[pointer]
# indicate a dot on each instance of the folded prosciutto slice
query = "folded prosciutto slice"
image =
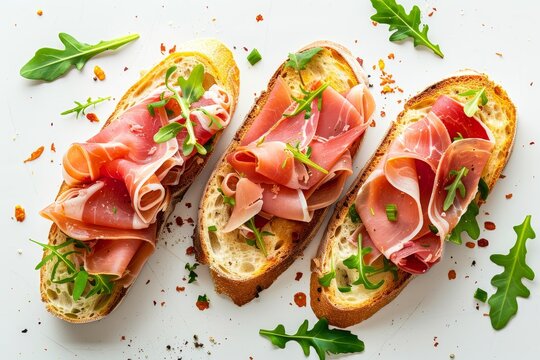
(291, 163)
(414, 177)
(120, 181)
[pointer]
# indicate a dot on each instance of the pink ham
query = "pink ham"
(248, 198)
(362, 100)
(338, 115)
(111, 257)
(286, 203)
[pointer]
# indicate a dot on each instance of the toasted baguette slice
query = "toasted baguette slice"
(220, 69)
(346, 309)
(241, 271)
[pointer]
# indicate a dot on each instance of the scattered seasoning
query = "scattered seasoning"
(36, 154)
(190, 220)
(39, 12)
(374, 23)
(100, 74)
(173, 49)
(483, 242)
(499, 54)
(391, 56)
(202, 302)
(92, 117)
(259, 18)
(489, 225)
(360, 61)
(162, 49)
(126, 68)
(531, 143)
(188, 205)
(298, 276)
(123, 338)
(190, 251)
(53, 148)
(383, 114)
(300, 299)
(24, 331)
(381, 64)
(435, 342)
(20, 214)
(179, 221)
(373, 123)
(470, 244)
(451, 274)
(180, 288)
(508, 196)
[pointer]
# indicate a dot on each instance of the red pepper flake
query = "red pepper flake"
(202, 302)
(162, 48)
(162, 303)
(300, 299)
(508, 196)
(374, 23)
(383, 114)
(190, 220)
(470, 244)
(531, 143)
(190, 251)
(502, 176)
(179, 221)
(180, 288)
(298, 276)
(122, 338)
(53, 148)
(489, 225)
(245, 49)
(360, 61)
(173, 49)
(372, 123)
(36, 154)
(20, 214)
(430, 14)
(483, 242)
(39, 12)
(92, 117)
(100, 74)
(451, 274)
(391, 56)
(188, 205)
(259, 18)
(126, 68)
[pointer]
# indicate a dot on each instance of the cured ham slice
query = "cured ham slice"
(285, 203)
(413, 176)
(363, 101)
(111, 257)
(248, 198)
(337, 114)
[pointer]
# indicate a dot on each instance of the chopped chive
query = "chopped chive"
(353, 214)
(391, 212)
(254, 57)
(480, 295)
(344, 289)
(433, 229)
(483, 189)
(212, 228)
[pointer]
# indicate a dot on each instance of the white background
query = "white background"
(470, 34)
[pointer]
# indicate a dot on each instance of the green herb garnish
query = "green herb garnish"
(326, 279)
(458, 137)
(81, 108)
(405, 25)
(457, 184)
(503, 304)
(357, 262)
(303, 158)
(192, 274)
(229, 200)
(192, 90)
(299, 61)
(483, 189)
(391, 212)
(480, 295)
(478, 97)
(433, 229)
(259, 236)
(212, 228)
(254, 57)
(353, 214)
(76, 274)
(304, 104)
(49, 64)
(466, 223)
(321, 338)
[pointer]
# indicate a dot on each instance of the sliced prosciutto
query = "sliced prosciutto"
(120, 181)
(413, 176)
(268, 154)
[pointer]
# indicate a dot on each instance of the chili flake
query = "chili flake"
(100, 74)
(36, 154)
(483, 242)
(470, 244)
(173, 49)
(202, 302)
(383, 114)
(53, 148)
(162, 48)
(489, 225)
(180, 288)
(259, 18)
(391, 56)
(39, 12)
(20, 214)
(190, 250)
(300, 299)
(451, 274)
(508, 196)
(298, 276)
(92, 117)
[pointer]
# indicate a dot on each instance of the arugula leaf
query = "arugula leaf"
(456, 185)
(357, 262)
(483, 189)
(192, 274)
(326, 279)
(353, 214)
(466, 223)
(299, 61)
(167, 132)
(321, 338)
(503, 304)
(79, 285)
(192, 88)
(259, 236)
(479, 97)
(303, 158)
(49, 64)
(405, 25)
(305, 103)
(80, 108)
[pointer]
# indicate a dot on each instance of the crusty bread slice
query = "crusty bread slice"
(221, 69)
(239, 270)
(346, 309)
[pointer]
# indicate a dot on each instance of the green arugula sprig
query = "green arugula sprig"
(456, 185)
(466, 223)
(192, 274)
(192, 90)
(353, 214)
(81, 108)
(357, 262)
(503, 304)
(302, 157)
(326, 279)
(405, 25)
(259, 236)
(99, 283)
(478, 97)
(49, 64)
(299, 61)
(323, 339)
(304, 104)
